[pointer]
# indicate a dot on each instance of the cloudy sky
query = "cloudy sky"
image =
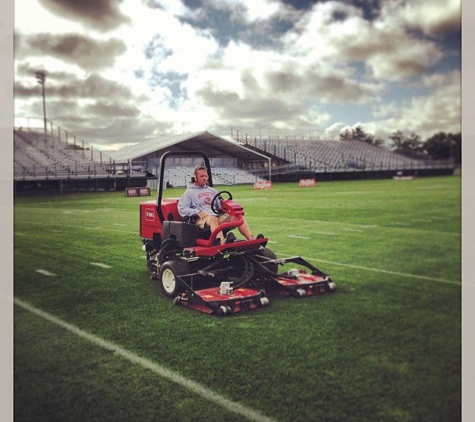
(122, 71)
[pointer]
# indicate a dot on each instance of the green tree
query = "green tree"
(358, 134)
(397, 140)
(411, 146)
(442, 146)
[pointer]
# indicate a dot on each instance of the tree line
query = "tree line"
(439, 146)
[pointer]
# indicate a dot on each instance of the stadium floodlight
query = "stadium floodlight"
(41, 78)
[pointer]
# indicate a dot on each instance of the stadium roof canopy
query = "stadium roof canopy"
(212, 145)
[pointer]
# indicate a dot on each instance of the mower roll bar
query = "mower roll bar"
(162, 174)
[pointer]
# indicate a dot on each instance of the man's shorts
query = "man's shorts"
(222, 218)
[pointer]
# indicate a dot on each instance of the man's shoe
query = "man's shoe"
(230, 238)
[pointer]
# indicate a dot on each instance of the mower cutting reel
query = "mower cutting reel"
(306, 280)
(212, 288)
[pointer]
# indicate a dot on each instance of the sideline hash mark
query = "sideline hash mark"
(46, 273)
(99, 264)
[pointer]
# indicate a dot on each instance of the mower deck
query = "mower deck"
(306, 280)
(212, 301)
(303, 285)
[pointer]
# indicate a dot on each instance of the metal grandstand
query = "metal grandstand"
(224, 154)
(58, 160)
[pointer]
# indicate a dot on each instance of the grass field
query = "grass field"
(96, 341)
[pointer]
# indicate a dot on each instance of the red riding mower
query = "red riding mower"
(217, 278)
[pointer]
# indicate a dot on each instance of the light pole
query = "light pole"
(41, 78)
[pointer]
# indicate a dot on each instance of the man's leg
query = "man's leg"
(212, 222)
(245, 230)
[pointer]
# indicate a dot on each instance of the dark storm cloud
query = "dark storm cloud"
(26, 69)
(88, 53)
(112, 109)
(109, 131)
(232, 106)
(66, 87)
(95, 86)
(320, 86)
(100, 15)
(55, 80)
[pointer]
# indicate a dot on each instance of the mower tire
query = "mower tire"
(331, 286)
(224, 310)
(273, 267)
(169, 278)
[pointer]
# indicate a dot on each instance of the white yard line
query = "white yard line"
(286, 220)
(102, 228)
(326, 233)
(175, 377)
(378, 270)
(100, 264)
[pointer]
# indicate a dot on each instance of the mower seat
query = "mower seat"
(186, 234)
(203, 233)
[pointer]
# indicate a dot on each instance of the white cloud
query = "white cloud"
(390, 52)
(190, 81)
(436, 112)
(30, 17)
(442, 106)
(432, 17)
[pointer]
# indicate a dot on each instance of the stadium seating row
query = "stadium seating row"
(180, 176)
(335, 155)
(42, 155)
(38, 155)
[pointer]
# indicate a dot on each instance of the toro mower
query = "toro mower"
(197, 271)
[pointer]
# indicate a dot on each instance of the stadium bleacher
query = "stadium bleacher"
(180, 176)
(38, 155)
(337, 156)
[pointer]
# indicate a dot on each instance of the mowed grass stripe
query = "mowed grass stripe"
(175, 377)
(388, 341)
(397, 226)
(72, 226)
(379, 270)
(255, 220)
(341, 264)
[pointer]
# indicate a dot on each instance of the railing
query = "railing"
(34, 124)
(61, 154)
(337, 156)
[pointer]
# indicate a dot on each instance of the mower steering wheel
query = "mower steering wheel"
(215, 206)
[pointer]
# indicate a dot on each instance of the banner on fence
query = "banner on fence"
(137, 191)
(266, 184)
(307, 183)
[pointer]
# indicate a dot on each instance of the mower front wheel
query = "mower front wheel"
(224, 310)
(331, 286)
(170, 273)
